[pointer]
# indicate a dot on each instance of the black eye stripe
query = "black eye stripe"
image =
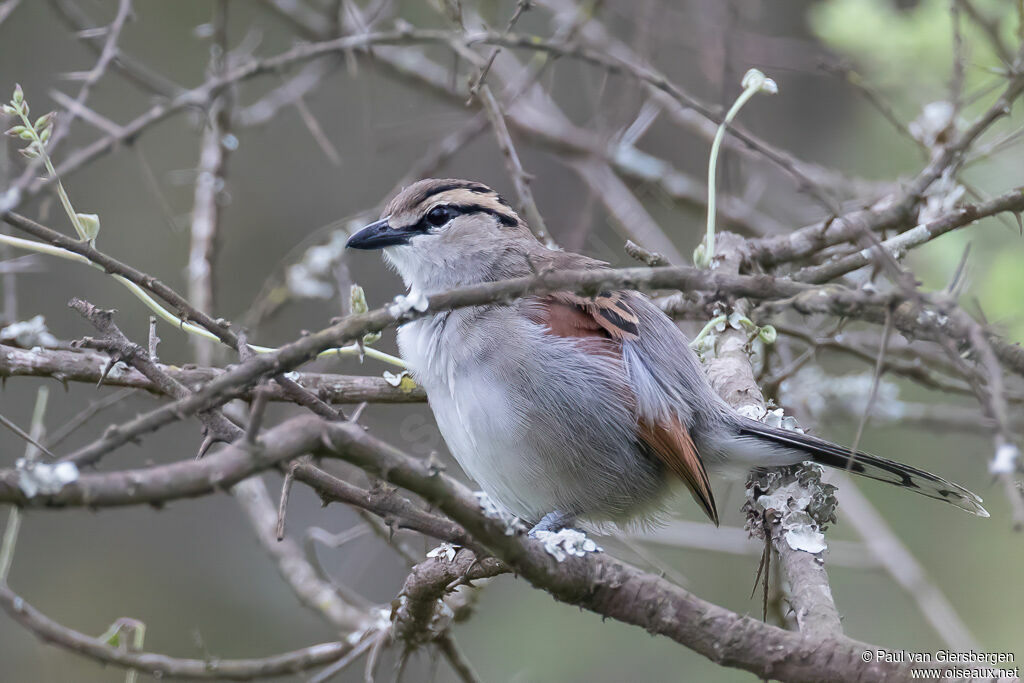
(454, 210)
(503, 218)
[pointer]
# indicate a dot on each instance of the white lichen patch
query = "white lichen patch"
(491, 509)
(445, 550)
(313, 276)
(378, 620)
(1005, 460)
(941, 198)
(561, 544)
(28, 333)
(415, 300)
(805, 537)
(119, 371)
(751, 411)
(36, 478)
(777, 418)
(935, 123)
(785, 499)
(798, 528)
(395, 380)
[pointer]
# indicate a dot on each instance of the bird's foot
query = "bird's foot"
(553, 521)
(559, 539)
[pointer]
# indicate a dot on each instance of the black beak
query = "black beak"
(379, 235)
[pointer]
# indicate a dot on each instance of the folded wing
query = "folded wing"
(603, 324)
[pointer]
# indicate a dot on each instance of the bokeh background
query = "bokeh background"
(193, 571)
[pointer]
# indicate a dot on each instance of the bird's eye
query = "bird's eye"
(439, 215)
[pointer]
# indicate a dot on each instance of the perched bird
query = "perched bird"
(562, 406)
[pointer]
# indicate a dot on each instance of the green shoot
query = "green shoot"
(753, 82)
(37, 134)
(10, 537)
(136, 632)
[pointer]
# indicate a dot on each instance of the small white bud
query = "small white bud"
(756, 80)
(1005, 460)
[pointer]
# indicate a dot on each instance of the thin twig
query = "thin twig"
(209, 187)
(457, 659)
(520, 179)
(160, 665)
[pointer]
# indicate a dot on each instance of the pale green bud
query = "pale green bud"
(700, 256)
(44, 121)
(358, 299)
(768, 334)
(90, 225)
(18, 96)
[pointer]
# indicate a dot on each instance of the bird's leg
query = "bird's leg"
(553, 521)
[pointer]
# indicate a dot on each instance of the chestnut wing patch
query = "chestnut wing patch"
(609, 310)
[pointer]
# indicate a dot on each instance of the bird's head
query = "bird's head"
(440, 233)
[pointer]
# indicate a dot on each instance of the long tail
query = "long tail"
(871, 466)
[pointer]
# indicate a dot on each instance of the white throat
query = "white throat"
(431, 273)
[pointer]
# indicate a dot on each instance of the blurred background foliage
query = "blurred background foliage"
(193, 571)
(905, 47)
(903, 50)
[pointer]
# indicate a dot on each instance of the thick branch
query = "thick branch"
(183, 479)
(731, 374)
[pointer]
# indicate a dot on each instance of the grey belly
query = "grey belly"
(536, 422)
(533, 457)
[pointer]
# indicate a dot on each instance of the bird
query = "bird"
(566, 408)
